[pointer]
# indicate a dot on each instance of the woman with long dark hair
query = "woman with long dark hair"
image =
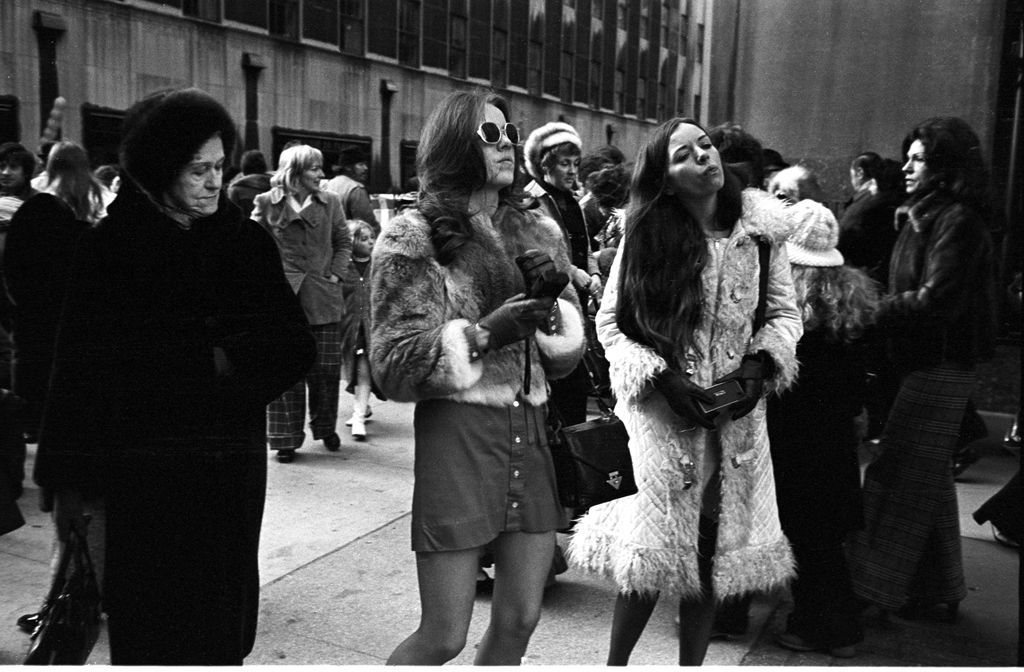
(453, 331)
(939, 320)
(676, 318)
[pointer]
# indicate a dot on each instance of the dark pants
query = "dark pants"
(824, 606)
(182, 575)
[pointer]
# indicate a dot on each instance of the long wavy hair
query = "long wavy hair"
(665, 250)
(451, 166)
(71, 180)
(953, 155)
(841, 299)
(291, 164)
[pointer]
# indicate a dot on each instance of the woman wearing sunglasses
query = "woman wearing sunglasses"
(454, 331)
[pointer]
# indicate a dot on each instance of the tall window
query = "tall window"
(499, 58)
(435, 33)
(535, 72)
(246, 11)
(320, 20)
(681, 101)
(568, 53)
(665, 23)
(352, 22)
(700, 42)
(645, 19)
(457, 47)
(284, 18)
(622, 14)
(684, 34)
(620, 90)
(409, 33)
(208, 10)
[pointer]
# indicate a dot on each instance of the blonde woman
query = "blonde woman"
(313, 238)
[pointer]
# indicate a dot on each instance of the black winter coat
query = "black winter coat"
(814, 441)
(147, 304)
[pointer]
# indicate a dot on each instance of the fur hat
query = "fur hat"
(163, 131)
(543, 139)
(813, 242)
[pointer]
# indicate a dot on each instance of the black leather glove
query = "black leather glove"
(540, 274)
(751, 375)
(515, 319)
(682, 396)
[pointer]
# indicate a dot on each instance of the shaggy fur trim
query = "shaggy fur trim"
(562, 351)
(634, 568)
(784, 356)
(770, 218)
(631, 374)
(753, 569)
(455, 356)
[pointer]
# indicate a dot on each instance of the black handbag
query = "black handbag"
(591, 459)
(69, 623)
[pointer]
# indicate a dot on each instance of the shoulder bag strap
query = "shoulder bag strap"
(764, 260)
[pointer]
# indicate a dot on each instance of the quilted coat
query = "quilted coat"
(420, 309)
(648, 542)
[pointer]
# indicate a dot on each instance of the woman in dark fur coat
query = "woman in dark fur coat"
(939, 319)
(178, 328)
(452, 331)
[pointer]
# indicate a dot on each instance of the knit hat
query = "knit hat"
(813, 239)
(163, 131)
(543, 139)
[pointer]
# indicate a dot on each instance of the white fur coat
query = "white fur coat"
(648, 542)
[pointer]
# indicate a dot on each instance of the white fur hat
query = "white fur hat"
(813, 241)
(543, 139)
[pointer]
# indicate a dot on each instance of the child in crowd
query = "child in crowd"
(356, 327)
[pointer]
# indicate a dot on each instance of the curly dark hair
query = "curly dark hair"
(953, 156)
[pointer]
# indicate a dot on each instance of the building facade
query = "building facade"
(364, 72)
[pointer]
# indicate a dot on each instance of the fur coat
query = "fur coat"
(648, 542)
(420, 310)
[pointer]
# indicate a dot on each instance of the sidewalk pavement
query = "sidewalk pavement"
(339, 584)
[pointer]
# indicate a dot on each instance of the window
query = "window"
(641, 97)
(645, 19)
(662, 111)
(700, 42)
(320, 20)
(381, 25)
(435, 33)
(499, 60)
(664, 22)
(457, 47)
(519, 39)
(681, 102)
(684, 34)
(207, 10)
(409, 33)
(352, 27)
(620, 90)
(10, 128)
(480, 39)
(596, 43)
(622, 15)
(696, 107)
(534, 70)
(284, 18)
(246, 11)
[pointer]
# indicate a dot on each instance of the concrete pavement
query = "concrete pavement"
(339, 585)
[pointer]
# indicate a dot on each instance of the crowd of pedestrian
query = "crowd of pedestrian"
(163, 328)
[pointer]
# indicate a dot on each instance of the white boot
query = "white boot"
(358, 427)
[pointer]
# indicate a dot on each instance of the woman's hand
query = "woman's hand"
(682, 396)
(580, 278)
(515, 320)
(751, 375)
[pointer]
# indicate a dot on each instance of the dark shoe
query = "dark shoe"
(332, 442)
(1003, 539)
(964, 458)
(794, 642)
(29, 622)
(285, 456)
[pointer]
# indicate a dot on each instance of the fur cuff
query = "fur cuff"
(783, 355)
(631, 371)
(562, 350)
(454, 365)
(634, 568)
(753, 569)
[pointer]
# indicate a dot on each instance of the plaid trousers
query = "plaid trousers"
(286, 414)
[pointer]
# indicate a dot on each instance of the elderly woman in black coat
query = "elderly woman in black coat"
(178, 329)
